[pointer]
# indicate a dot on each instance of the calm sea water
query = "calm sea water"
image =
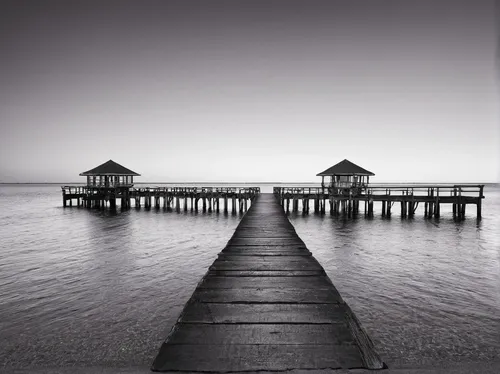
(96, 288)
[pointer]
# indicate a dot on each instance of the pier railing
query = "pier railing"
(409, 195)
(402, 190)
(170, 196)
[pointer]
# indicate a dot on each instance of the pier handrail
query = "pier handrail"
(403, 189)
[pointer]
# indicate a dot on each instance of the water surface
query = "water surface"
(97, 288)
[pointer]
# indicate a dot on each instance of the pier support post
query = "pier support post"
(479, 202)
(370, 208)
(437, 209)
(412, 208)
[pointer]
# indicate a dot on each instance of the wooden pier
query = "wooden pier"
(266, 304)
(346, 201)
(172, 198)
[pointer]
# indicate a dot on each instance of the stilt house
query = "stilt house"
(346, 175)
(110, 175)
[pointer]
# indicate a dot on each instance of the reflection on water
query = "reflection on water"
(81, 287)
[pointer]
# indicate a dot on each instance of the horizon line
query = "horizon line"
(262, 182)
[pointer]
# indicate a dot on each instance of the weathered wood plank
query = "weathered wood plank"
(271, 264)
(263, 313)
(218, 282)
(262, 266)
(251, 258)
(279, 334)
(267, 273)
(260, 252)
(265, 241)
(223, 358)
(285, 249)
(267, 295)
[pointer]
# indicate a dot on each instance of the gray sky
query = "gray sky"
(249, 90)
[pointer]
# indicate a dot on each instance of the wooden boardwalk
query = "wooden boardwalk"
(266, 304)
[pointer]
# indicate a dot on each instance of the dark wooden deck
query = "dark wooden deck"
(266, 304)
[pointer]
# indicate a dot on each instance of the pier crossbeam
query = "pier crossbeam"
(266, 304)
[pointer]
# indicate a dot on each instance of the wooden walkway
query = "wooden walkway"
(266, 304)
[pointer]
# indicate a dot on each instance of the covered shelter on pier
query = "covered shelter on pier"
(346, 175)
(110, 175)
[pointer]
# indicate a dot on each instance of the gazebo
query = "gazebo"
(346, 175)
(110, 175)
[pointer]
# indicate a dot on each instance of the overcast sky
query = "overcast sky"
(249, 90)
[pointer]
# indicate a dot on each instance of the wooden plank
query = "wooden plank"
(267, 273)
(283, 248)
(219, 282)
(260, 252)
(265, 241)
(196, 312)
(250, 258)
(267, 295)
(279, 334)
(223, 358)
(270, 264)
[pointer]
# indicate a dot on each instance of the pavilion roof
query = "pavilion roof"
(109, 168)
(345, 167)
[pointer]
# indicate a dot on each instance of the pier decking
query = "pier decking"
(266, 304)
(175, 198)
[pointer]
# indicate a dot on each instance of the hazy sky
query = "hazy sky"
(249, 90)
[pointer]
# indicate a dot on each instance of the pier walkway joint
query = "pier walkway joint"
(266, 304)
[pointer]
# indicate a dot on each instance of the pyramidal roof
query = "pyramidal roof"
(109, 168)
(345, 167)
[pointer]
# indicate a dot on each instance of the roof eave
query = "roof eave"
(85, 174)
(323, 174)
